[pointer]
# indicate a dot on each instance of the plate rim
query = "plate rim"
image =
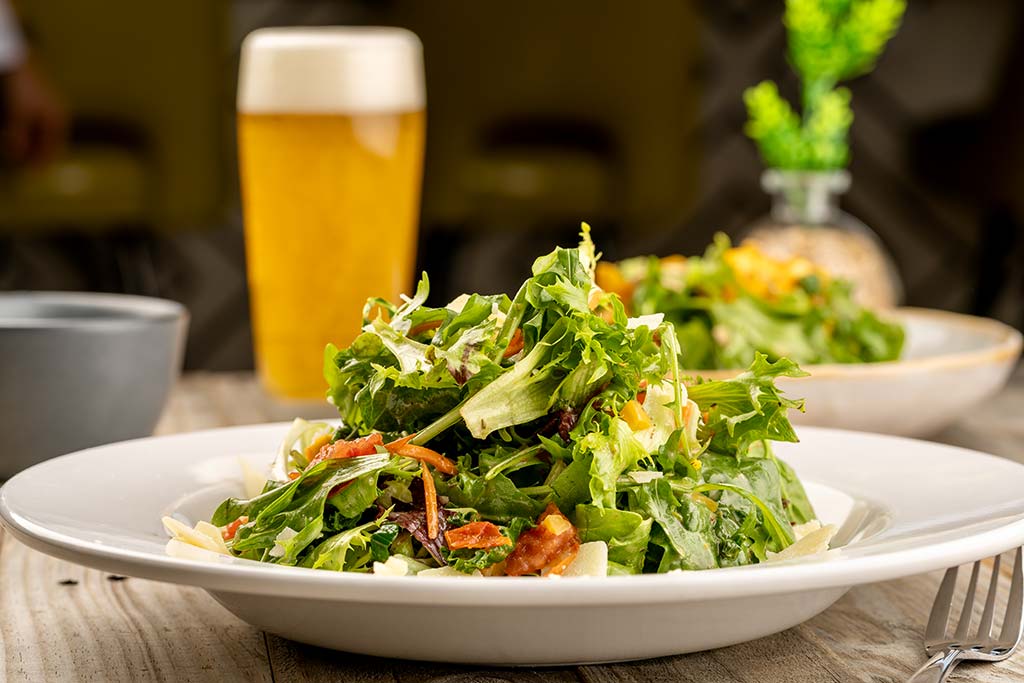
(246, 577)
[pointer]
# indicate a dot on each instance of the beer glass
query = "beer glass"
(330, 139)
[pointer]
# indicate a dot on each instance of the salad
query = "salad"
(547, 434)
(736, 301)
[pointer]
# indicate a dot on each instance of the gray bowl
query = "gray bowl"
(79, 370)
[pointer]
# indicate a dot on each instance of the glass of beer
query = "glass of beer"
(330, 139)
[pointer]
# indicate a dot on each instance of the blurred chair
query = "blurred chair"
(562, 111)
(145, 85)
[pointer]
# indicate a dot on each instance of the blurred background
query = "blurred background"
(120, 174)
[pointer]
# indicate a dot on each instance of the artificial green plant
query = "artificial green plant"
(829, 41)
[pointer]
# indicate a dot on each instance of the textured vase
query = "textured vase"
(806, 221)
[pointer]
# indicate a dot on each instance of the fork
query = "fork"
(949, 650)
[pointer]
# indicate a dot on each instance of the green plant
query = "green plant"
(829, 41)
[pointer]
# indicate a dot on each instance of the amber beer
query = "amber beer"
(330, 137)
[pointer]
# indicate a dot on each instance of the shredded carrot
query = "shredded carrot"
(366, 445)
(425, 455)
(515, 345)
(228, 532)
(294, 475)
(476, 535)
(398, 443)
(424, 327)
(430, 494)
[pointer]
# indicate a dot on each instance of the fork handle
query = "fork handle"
(937, 668)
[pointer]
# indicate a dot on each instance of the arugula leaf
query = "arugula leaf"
(496, 499)
(356, 496)
(293, 546)
(687, 549)
(572, 486)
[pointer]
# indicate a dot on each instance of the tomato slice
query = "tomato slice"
(229, 531)
(366, 445)
(476, 535)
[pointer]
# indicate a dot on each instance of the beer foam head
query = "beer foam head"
(327, 70)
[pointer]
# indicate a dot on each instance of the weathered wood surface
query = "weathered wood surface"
(59, 621)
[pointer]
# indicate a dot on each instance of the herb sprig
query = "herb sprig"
(829, 41)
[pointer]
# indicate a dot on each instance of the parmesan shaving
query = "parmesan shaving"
(286, 534)
(199, 537)
(591, 560)
(813, 542)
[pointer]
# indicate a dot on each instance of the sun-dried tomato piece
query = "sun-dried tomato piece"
(547, 549)
(428, 326)
(515, 345)
(476, 535)
(229, 531)
(366, 445)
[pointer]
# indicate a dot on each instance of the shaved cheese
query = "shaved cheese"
(458, 303)
(399, 565)
(591, 560)
(813, 543)
(214, 533)
(186, 534)
(187, 551)
(389, 569)
(286, 534)
(801, 530)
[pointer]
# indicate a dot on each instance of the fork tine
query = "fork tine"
(985, 627)
(1011, 632)
(967, 611)
(936, 629)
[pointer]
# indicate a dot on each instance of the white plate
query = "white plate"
(951, 362)
(903, 506)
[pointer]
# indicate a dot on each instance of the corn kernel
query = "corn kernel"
(556, 524)
(635, 416)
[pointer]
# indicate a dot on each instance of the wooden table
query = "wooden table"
(59, 621)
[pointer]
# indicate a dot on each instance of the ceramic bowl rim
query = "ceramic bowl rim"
(112, 312)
